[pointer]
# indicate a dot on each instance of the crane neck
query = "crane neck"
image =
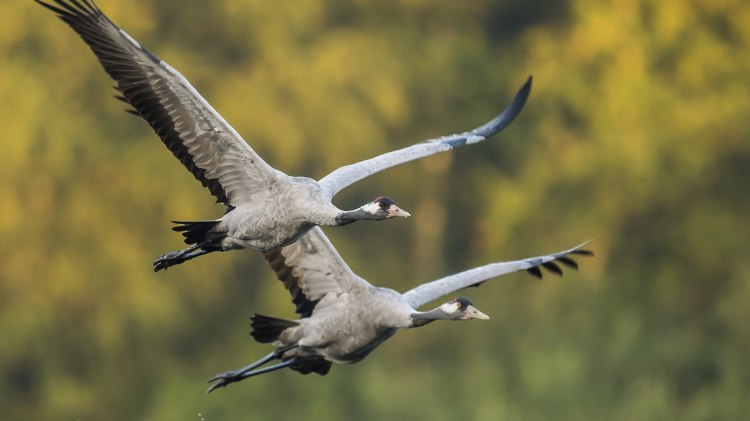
(359, 214)
(422, 318)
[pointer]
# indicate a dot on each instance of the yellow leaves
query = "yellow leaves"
(330, 90)
(13, 26)
(740, 19)
(278, 19)
(437, 164)
(364, 65)
(595, 36)
(134, 18)
(637, 111)
(30, 104)
(671, 20)
(706, 61)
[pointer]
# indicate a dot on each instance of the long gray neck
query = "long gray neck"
(347, 217)
(331, 216)
(422, 318)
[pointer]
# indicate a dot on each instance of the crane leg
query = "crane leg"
(224, 379)
(179, 256)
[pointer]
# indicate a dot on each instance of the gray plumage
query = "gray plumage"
(343, 317)
(265, 207)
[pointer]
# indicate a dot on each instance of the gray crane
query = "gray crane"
(343, 317)
(266, 208)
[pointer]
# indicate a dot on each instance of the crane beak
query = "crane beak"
(395, 211)
(473, 313)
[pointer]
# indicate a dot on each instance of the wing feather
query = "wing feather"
(350, 174)
(427, 292)
(190, 128)
(311, 268)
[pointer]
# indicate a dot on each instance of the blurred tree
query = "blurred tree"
(634, 136)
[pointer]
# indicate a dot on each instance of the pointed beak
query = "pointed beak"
(395, 211)
(473, 313)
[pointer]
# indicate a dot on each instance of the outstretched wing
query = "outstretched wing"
(310, 268)
(350, 174)
(195, 133)
(425, 293)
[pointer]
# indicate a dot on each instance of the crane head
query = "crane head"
(462, 309)
(383, 207)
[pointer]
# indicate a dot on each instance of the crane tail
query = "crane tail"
(268, 329)
(197, 232)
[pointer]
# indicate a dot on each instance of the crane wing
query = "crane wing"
(187, 124)
(427, 292)
(310, 268)
(350, 174)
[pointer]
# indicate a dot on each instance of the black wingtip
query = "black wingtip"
(567, 261)
(70, 8)
(535, 271)
(127, 110)
(552, 267)
(583, 252)
(54, 9)
(564, 258)
(523, 94)
(509, 113)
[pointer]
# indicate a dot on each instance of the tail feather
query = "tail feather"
(268, 329)
(197, 232)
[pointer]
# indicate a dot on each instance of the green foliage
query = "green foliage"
(635, 135)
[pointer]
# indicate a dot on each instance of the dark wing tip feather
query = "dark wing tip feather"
(562, 258)
(567, 261)
(54, 9)
(552, 267)
(583, 252)
(71, 8)
(535, 271)
(509, 113)
(129, 110)
(85, 6)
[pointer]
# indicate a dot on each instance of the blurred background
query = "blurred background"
(635, 135)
